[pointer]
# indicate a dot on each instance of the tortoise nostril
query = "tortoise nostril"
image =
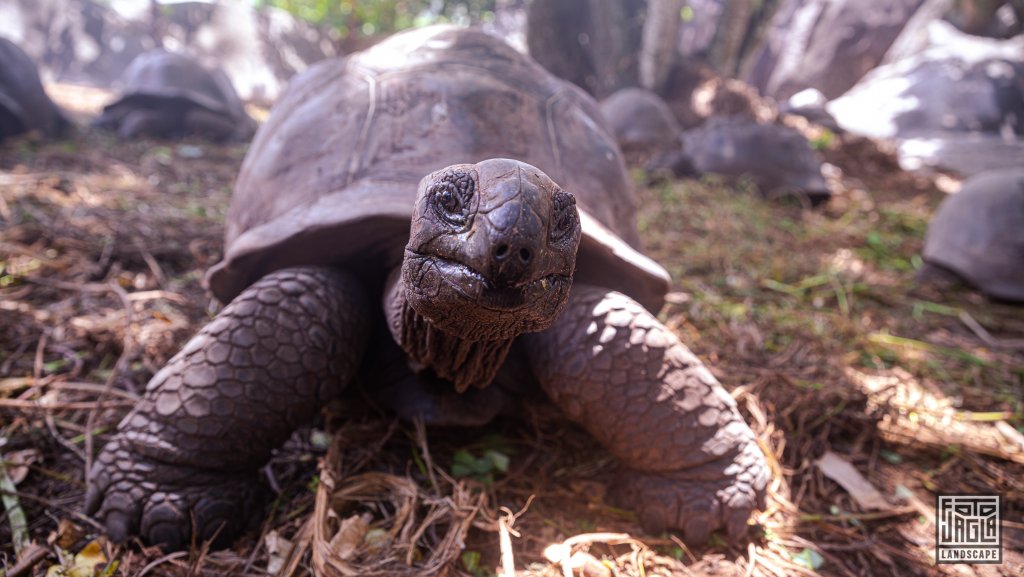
(501, 251)
(525, 255)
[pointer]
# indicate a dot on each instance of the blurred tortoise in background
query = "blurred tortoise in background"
(977, 236)
(170, 95)
(641, 121)
(24, 104)
(778, 159)
(513, 273)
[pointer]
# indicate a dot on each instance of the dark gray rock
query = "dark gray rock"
(957, 103)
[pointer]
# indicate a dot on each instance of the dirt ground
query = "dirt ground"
(810, 318)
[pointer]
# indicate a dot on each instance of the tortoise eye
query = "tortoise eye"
(563, 216)
(451, 195)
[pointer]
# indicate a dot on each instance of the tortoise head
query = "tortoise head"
(491, 251)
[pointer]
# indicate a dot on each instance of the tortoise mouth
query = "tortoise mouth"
(473, 286)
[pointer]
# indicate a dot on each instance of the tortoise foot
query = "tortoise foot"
(700, 500)
(172, 506)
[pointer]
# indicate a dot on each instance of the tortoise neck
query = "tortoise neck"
(462, 361)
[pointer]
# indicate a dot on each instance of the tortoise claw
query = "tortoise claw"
(167, 505)
(699, 501)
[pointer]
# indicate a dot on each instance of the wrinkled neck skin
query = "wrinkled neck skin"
(461, 359)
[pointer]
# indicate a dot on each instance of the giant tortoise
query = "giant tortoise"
(24, 104)
(641, 121)
(977, 236)
(170, 95)
(777, 158)
(442, 196)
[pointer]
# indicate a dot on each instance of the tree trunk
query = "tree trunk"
(591, 43)
(660, 35)
(727, 45)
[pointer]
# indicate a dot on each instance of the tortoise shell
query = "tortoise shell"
(24, 104)
(331, 177)
(640, 118)
(978, 234)
(159, 78)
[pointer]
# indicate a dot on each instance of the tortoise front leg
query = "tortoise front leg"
(189, 451)
(206, 123)
(144, 122)
(693, 463)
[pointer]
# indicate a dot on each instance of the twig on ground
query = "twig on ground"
(154, 266)
(686, 550)
(37, 405)
(986, 337)
(751, 559)
(421, 442)
(27, 560)
(51, 424)
(126, 352)
(508, 564)
(160, 561)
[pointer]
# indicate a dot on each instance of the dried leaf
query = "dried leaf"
(350, 536)
(841, 471)
(67, 534)
(84, 564)
(278, 549)
(376, 541)
(87, 559)
(586, 565)
(18, 462)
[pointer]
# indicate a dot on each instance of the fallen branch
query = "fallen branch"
(986, 337)
(31, 557)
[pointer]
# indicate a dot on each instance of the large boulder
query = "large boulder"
(825, 44)
(956, 104)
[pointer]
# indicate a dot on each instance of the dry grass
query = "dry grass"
(811, 319)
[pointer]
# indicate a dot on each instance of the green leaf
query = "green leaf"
(890, 456)
(463, 464)
(809, 558)
(498, 460)
(471, 560)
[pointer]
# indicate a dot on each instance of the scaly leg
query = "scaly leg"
(189, 450)
(694, 464)
(145, 123)
(208, 124)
